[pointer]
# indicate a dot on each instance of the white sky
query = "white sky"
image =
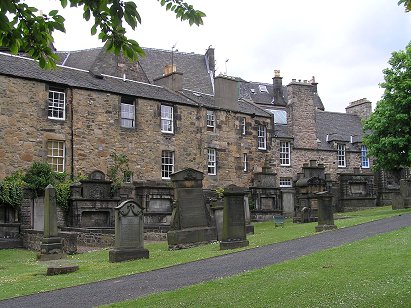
(344, 44)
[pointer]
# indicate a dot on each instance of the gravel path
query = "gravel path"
(137, 285)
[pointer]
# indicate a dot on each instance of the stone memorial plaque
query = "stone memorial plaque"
(192, 213)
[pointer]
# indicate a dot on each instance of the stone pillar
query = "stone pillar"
(325, 212)
(51, 243)
(129, 233)
(405, 189)
(234, 231)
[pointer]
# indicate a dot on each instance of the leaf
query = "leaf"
(93, 29)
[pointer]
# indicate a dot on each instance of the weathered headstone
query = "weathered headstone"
(51, 245)
(325, 212)
(129, 233)
(234, 230)
(191, 222)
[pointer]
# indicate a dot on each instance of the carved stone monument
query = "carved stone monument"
(191, 221)
(129, 233)
(234, 230)
(325, 212)
(51, 245)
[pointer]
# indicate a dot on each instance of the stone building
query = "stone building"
(169, 112)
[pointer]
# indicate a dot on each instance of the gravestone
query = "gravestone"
(191, 222)
(234, 230)
(325, 212)
(51, 245)
(129, 233)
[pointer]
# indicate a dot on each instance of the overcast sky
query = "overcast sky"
(344, 44)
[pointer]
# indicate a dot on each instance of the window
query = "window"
(210, 121)
(245, 162)
(212, 162)
(341, 155)
(263, 88)
(167, 164)
(280, 116)
(167, 119)
(55, 155)
(128, 177)
(262, 138)
(127, 113)
(365, 161)
(57, 104)
(285, 153)
(286, 182)
(242, 125)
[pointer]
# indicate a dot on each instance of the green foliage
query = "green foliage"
(63, 191)
(38, 176)
(118, 170)
(220, 192)
(389, 127)
(406, 3)
(11, 190)
(22, 30)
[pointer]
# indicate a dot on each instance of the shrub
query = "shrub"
(39, 176)
(11, 190)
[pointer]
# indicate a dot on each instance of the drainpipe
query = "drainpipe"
(72, 134)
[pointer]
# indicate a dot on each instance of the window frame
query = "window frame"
(243, 125)
(127, 102)
(245, 162)
(365, 160)
(286, 182)
(167, 119)
(211, 161)
(56, 162)
(167, 168)
(54, 104)
(341, 155)
(285, 153)
(128, 177)
(210, 122)
(262, 137)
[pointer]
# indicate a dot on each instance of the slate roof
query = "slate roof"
(243, 106)
(338, 127)
(27, 68)
(193, 66)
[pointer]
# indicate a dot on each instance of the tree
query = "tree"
(389, 127)
(22, 29)
(406, 3)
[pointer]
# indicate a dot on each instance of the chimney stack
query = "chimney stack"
(226, 92)
(278, 96)
(171, 79)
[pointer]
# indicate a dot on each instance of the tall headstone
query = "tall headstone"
(129, 233)
(191, 221)
(234, 230)
(51, 243)
(325, 212)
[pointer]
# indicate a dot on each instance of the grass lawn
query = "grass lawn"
(22, 274)
(375, 272)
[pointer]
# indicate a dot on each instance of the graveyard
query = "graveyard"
(17, 280)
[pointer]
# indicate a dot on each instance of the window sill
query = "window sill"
(56, 119)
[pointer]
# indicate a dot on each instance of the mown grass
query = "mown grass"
(22, 274)
(375, 272)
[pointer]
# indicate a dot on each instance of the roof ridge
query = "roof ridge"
(78, 50)
(175, 51)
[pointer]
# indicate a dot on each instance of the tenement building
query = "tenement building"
(168, 112)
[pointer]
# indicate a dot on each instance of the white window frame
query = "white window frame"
(245, 162)
(128, 177)
(211, 161)
(167, 164)
(56, 152)
(128, 114)
(167, 122)
(210, 120)
(242, 125)
(286, 182)
(262, 137)
(365, 161)
(341, 159)
(57, 104)
(285, 153)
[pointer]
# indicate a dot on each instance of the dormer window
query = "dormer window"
(252, 91)
(263, 88)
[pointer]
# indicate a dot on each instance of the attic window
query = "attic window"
(252, 91)
(263, 88)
